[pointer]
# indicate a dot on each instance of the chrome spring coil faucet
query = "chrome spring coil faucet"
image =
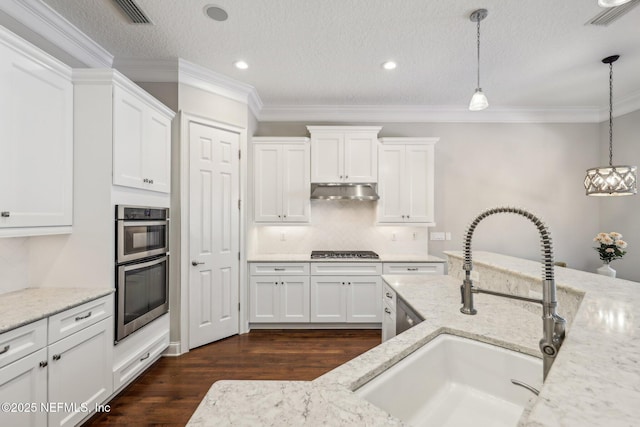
(553, 326)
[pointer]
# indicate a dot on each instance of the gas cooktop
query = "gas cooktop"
(344, 254)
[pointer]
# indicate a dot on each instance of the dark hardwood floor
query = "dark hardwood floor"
(168, 392)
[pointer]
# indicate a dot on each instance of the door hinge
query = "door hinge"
(238, 256)
(238, 306)
(239, 154)
(238, 203)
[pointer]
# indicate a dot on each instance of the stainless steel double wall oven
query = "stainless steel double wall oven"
(142, 267)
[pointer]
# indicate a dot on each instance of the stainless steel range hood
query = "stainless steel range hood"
(344, 191)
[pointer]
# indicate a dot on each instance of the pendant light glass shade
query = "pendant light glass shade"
(479, 99)
(612, 3)
(611, 180)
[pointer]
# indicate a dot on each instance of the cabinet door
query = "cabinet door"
(295, 183)
(391, 186)
(328, 299)
(364, 304)
(327, 157)
(25, 382)
(80, 371)
(264, 303)
(128, 134)
(419, 183)
(267, 183)
(360, 157)
(156, 160)
(294, 299)
(36, 143)
(388, 323)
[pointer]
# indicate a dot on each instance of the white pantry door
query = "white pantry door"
(213, 234)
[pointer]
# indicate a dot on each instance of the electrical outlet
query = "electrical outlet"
(415, 235)
(437, 235)
(393, 237)
(447, 235)
(283, 236)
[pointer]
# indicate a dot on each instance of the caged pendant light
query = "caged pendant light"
(611, 180)
(479, 99)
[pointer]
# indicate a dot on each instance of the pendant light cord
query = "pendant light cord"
(611, 114)
(478, 85)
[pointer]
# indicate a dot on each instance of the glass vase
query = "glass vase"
(606, 270)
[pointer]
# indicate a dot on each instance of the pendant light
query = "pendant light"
(478, 100)
(612, 3)
(611, 180)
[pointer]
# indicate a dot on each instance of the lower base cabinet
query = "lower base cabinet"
(59, 381)
(279, 299)
(350, 299)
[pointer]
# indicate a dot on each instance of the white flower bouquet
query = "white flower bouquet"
(611, 246)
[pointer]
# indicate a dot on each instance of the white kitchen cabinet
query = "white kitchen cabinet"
(36, 140)
(281, 179)
(279, 292)
(71, 367)
(388, 313)
(406, 180)
(275, 299)
(80, 371)
(141, 142)
(346, 292)
(413, 268)
(344, 154)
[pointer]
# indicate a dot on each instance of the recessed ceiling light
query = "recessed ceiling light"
(389, 65)
(215, 12)
(241, 65)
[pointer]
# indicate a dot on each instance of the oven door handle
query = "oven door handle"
(142, 223)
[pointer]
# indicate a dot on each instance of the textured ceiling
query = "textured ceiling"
(535, 53)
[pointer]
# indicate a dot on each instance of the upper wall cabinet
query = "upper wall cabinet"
(281, 179)
(406, 183)
(140, 126)
(344, 154)
(141, 143)
(36, 140)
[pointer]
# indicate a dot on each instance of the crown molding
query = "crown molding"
(43, 20)
(421, 113)
(180, 71)
(625, 105)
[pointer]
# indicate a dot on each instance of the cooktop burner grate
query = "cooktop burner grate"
(344, 254)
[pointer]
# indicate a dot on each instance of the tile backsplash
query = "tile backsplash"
(340, 225)
(14, 264)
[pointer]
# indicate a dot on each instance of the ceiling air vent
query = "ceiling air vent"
(608, 15)
(133, 11)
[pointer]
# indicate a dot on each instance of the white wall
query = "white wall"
(622, 214)
(539, 167)
(14, 264)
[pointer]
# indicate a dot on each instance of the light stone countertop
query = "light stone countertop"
(594, 381)
(307, 258)
(29, 305)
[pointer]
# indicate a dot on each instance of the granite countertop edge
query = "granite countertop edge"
(400, 258)
(29, 305)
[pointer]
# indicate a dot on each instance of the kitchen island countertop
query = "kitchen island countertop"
(593, 382)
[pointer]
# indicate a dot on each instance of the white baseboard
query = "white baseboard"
(173, 349)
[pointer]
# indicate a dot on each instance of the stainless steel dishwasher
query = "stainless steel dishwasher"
(406, 317)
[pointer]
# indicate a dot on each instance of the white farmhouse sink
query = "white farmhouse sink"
(453, 381)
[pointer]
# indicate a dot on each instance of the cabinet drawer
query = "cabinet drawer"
(413, 268)
(22, 341)
(389, 297)
(346, 268)
(280, 269)
(77, 318)
(137, 362)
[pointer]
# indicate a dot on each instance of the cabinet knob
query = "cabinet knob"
(150, 181)
(389, 295)
(284, 216)
(5, 349)
(43, 364)
(56, 357)
(340, 176)
(346, 177)
(145, 180)
(5, 214)
(386, 310)
(407, 216)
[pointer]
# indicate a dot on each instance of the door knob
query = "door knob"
(195, 263)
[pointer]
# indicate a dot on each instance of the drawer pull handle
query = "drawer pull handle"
(5, 349)
(146, 356)
(56, 357)
(6, 214)
(86, 316)
(43, 364)
(389, 295)
(278, 269)
(412, 269)
(386, 310)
